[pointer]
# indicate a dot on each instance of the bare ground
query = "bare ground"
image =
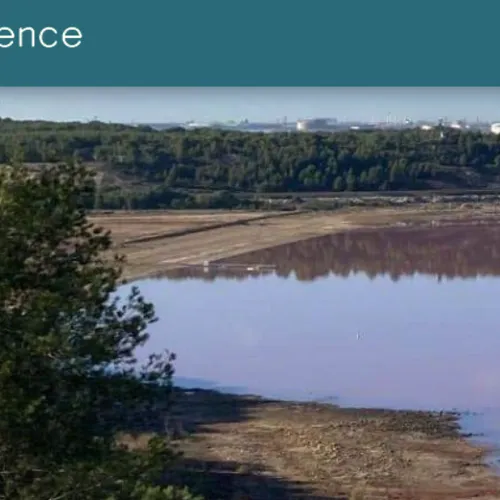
(250, 448)
(157, 241)
(130, 226)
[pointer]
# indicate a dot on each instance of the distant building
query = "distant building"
(495, 128)
(363, 126)
(459, 125)
(426, 127)
(302, 126)
(193, 125)
(316, 125)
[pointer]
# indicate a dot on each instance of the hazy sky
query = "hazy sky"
(254, 103)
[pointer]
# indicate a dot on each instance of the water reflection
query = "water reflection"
(455, 251)
(403, 340)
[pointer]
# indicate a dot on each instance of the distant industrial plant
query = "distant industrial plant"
(333, 125)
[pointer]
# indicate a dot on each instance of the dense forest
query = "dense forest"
(141, 167)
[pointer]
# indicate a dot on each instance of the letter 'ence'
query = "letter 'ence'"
(46, 38)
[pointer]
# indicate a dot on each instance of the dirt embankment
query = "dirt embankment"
(156, 241)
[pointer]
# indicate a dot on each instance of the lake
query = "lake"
(398, 318)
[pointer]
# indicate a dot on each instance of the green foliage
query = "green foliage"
(145, 168)
(69, 382)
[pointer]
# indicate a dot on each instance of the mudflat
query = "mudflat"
(242, 447)
(157, 241)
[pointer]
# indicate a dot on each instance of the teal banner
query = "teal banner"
(247, 43)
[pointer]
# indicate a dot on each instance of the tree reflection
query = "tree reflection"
(446, 252)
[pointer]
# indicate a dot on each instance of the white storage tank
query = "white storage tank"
(495, 128)
(316, 124)
(302, 125)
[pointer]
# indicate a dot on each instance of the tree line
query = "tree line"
(147, 168)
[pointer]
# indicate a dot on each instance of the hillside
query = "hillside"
(139, 167)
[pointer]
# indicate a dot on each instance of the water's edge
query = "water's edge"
(469, 423)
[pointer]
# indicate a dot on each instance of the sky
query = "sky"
(170, 104)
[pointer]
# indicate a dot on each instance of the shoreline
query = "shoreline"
(329, 450)
(455, 417)
(154, 243)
